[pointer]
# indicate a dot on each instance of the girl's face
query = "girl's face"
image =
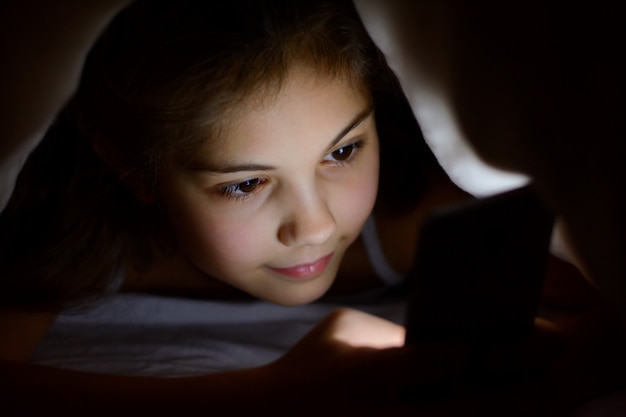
(273, 209)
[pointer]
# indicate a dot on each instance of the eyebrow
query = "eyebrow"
(360, 118)
(228, 169)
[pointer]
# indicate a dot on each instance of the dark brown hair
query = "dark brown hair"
(160, 82)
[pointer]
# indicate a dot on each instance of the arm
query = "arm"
(43, 45)
(349, 361)
(30, 388)
(592, 363)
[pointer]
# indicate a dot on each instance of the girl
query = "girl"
(211, 144)
(172, 163)
(244, 144)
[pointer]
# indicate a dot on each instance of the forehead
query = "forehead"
(306, 105)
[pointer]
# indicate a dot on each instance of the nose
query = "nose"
(308, 221)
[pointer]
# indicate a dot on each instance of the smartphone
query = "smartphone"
(479, 270)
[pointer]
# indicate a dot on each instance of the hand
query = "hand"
(353, 360)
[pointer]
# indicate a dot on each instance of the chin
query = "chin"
(296, 297)
(295, 301)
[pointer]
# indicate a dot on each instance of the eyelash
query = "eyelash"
(354, 147)
(230, 191)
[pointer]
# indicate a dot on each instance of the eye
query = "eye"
(242, 189)
(345, 153)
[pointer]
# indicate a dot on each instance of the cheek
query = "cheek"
(357, 197)
(213, 240)
(221, 246)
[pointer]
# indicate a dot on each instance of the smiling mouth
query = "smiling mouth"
(304, 271)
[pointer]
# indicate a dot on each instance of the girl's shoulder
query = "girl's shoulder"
(392, 238)
(172, 274)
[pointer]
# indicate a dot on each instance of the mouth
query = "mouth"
(305, 271)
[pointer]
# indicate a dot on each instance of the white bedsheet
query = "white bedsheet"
(151, 335)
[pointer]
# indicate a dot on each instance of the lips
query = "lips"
(304, 271)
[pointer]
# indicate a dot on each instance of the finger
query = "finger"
(359, 329)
